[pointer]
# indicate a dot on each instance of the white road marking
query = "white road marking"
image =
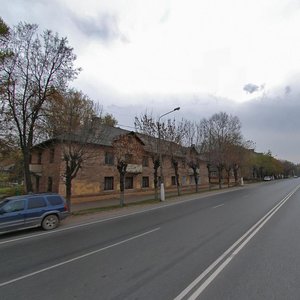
(218, 205)
(78, 257)
(230, 253)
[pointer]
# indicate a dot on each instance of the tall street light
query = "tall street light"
(162, 188)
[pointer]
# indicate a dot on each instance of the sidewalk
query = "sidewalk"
(129, 199)
(117, 211)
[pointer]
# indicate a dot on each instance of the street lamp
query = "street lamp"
(162, 188)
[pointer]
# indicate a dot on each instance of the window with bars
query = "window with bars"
(129, 183)
(39, 157)
(108, 183)
(109, 158)
(173, 179)
(51, 155)
(50, 184)
(145, 182)
(145, 161)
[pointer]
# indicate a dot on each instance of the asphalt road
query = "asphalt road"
(241, 244)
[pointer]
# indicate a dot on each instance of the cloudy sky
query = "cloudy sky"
(206, 56)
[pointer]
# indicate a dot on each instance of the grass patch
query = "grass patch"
(12, 191)
(112, 207)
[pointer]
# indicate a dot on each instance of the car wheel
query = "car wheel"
(50, 222)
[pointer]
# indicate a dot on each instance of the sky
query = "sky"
(206, 56)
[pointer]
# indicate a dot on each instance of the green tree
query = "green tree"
(4, 34)
(39, 65)
(110, 120)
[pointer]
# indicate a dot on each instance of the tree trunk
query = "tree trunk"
(68, 191)
(220, 177)
(235, 171)
(122, 189)
(156, 182)
(27, 175)
(177, 182)
(209, 178)
(196, 179)
(228, 178)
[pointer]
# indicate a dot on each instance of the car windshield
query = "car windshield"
(3, 202)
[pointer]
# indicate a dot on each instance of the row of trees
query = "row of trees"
(217, 140)
(35, 72)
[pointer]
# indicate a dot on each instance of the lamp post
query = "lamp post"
(162, 188)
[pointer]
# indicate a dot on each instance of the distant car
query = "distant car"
(32, 210)
(267, 178)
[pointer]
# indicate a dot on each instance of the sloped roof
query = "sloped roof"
(104, 136)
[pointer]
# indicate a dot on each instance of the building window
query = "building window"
(50, 183)
(109, 158)
(173, 179)
(39, 157)
(129, 183)
(183, 180)
(145, 161)
(37, 184)
(128, 158)
(51, 155)
(192, 179)
(108, 183)
(213, 174)
(145, 182)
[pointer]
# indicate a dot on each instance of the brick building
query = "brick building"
(99, 178)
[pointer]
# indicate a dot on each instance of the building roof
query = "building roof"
(105, 136)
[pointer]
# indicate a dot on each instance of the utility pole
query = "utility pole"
(162, 187)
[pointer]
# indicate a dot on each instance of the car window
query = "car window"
(36, 202)
(55, 200)
(13, 206)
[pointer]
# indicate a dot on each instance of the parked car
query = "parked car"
(32, 210)
(268, 178)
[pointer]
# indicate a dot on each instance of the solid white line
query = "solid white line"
(227, 261)
(78, 257)
(263, 220)
(218, 205)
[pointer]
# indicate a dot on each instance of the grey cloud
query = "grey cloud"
(251, 88)
(287, 90)
(165, 16)
(271, 121)
(105, 27)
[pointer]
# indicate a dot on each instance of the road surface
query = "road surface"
(240, 244)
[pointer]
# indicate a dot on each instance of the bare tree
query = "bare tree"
(128, 149)
(147, 127)
(38, 65)
(221, 132)
(79, 129)
(173, 135)
(193, 140)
